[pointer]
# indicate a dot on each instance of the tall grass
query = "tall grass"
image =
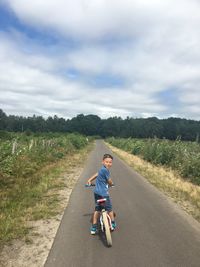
(29, 167)
(21, 155)
(181, 156)
(168, 181)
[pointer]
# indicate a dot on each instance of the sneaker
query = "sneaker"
(93, 229)
(114, 225)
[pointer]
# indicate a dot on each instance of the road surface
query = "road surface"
(151, 230)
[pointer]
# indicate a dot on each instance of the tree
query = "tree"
(3, 118)
(170, 128)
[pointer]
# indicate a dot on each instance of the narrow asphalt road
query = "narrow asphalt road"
(152, 231)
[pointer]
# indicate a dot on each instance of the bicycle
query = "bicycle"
(104, 219)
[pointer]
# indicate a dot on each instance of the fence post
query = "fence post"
(14, 147)
(43, 142)
(31, 144)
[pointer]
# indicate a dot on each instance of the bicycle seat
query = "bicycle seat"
(102, 200)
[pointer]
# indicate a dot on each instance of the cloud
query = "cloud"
(34, 78)
(107, 57)
(95, 18)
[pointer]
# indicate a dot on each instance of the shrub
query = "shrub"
(181, 156)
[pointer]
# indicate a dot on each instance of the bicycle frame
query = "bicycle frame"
(105, 220)
(101, 217)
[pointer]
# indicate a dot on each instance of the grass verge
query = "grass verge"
(24, 203)
(186, 194)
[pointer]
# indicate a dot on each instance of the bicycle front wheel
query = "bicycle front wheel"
(107, 229)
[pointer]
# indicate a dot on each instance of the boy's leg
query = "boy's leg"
(97, 209)
(109, 209)
(96, 217)
(111, 214)
(112, 217)
(93, 228)
(96, 214)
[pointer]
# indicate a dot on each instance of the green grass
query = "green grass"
(183, 192)
(183, 157)
(32, 193)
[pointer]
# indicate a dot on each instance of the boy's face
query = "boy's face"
(107, 162)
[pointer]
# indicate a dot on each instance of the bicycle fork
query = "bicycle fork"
(109, 221)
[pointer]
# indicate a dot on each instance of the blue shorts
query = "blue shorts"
(108, 204)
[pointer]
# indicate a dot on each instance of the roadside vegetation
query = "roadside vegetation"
(30, 167)
(183, 157)
(173, 167)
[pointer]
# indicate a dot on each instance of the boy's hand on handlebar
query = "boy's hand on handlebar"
(89, 184)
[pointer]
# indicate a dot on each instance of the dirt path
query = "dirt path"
(33, 253)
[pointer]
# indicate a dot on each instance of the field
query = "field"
(29, 167)
(184, 157)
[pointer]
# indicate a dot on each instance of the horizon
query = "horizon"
(136, 59)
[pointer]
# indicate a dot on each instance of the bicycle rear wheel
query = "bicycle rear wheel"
(107, 229)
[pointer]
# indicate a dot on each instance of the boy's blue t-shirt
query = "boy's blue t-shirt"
(101, 187)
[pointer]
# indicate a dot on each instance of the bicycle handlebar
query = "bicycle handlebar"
(91, 185)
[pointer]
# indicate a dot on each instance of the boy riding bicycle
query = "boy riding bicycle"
(103, 181)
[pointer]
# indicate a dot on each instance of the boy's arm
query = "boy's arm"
(110, 182)
(92, 178)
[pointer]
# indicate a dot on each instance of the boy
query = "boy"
(103, 180)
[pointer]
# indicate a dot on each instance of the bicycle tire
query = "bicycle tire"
(107, 229)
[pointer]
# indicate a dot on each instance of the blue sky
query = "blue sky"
(136, 58)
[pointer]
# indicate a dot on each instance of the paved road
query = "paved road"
(152, 231)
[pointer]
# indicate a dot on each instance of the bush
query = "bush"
(181, 156)
(5, 135)
(77, 140)
(23, 156)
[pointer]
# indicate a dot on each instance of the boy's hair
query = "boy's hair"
(107, 156)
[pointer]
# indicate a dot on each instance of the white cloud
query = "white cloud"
(33, 90)
(96, 18)
(152, 46)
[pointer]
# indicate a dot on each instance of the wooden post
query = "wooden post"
(14, 147)
(31, 144)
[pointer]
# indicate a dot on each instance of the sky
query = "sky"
(136, 58)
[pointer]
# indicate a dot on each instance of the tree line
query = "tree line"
(170, 128)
